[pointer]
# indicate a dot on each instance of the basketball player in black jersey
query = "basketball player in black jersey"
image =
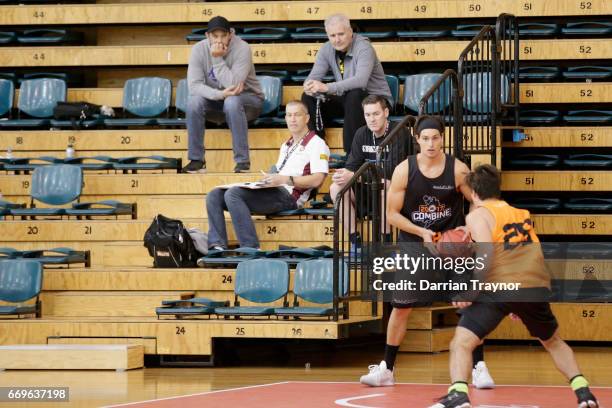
(425, 197)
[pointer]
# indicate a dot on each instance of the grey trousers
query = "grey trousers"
(236, 111)
(241, 203)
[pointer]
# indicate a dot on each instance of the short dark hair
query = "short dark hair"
(428, 122)
(373, 99)
(297, 102)
(485, 180)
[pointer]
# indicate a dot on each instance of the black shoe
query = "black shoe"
(585, 398)
(242, 167)
(453, 399)
(195, 166)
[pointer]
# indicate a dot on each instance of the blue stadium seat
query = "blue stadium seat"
(55, 185)
(57, 256)
(589, 160)
(72, 79)
(7, 206)
(394, 86)
(263, 33)
(197, 34)
(145, 98)
(293, 256)
(588, 72)
(258, 281)
(588, 28)
(37, 98)
(7, 92)
(282, 74)
(314, 282)
(27, 164)
(539, 116)
(272, 88)
(477, 92)
(302, 74)
(104, 207)
(416, 86)
(182, 96)
(146, 163)
(92, 162)
(415, 33)
(533, 161)
(588, 116)
(538, 29)
(20, 281)
(374, 33)
(7, 37)
(538, 73)
(467, 30)
(49, 36)
(588, 204)
(537, 204)
(189, 307)
(229, 257)
(309, 33)
(11, 76)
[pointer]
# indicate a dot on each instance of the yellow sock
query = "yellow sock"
(459, 386)
(578, 382)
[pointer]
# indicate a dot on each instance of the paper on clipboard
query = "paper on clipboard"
(251, 185)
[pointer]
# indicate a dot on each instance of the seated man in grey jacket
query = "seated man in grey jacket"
(222, 88)
(357, 74)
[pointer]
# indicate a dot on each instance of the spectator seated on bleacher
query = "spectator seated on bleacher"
(222, 88)
(365, 145)
(357, 74)
(302, 165)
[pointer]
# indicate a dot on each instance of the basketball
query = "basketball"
(454, 243)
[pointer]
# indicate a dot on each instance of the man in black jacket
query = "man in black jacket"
(364, 148)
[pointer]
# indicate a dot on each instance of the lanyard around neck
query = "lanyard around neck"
(290, 151)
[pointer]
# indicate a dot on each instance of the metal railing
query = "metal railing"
(357, 213)
(444, 99)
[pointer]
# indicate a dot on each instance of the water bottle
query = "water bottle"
(69, 151)
(9, 153)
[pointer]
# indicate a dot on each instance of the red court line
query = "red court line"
(334, 395)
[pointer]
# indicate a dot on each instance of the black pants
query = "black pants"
(347, 106)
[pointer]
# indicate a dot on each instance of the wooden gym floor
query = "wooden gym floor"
(510, 365)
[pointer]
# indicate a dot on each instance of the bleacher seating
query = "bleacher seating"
(554, 49)
(37, 98)
(20, 281)
(145, 98)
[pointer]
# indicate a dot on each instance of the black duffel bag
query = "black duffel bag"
(169, 244)
(75, 112)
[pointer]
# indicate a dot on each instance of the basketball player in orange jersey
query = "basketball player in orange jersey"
(514, 257)
(425, 197)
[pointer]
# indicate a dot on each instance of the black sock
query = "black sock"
(477, 355)
(390, 353)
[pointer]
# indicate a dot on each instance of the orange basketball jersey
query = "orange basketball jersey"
(517, 255)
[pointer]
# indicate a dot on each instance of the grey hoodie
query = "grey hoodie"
(208, 76)
(362, 69)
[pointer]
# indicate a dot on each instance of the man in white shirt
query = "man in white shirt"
(301, 166)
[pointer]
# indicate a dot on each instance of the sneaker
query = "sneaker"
(194, 167)
(585, 398)
(453, 399)
(481, 378)
(242, 167)
(379, 376)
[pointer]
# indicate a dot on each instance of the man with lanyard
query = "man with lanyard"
(425, 197)
(357, 73)
(365, 145)
(301, 166)
(514, 256)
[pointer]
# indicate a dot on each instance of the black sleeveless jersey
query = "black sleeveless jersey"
(432, 203)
